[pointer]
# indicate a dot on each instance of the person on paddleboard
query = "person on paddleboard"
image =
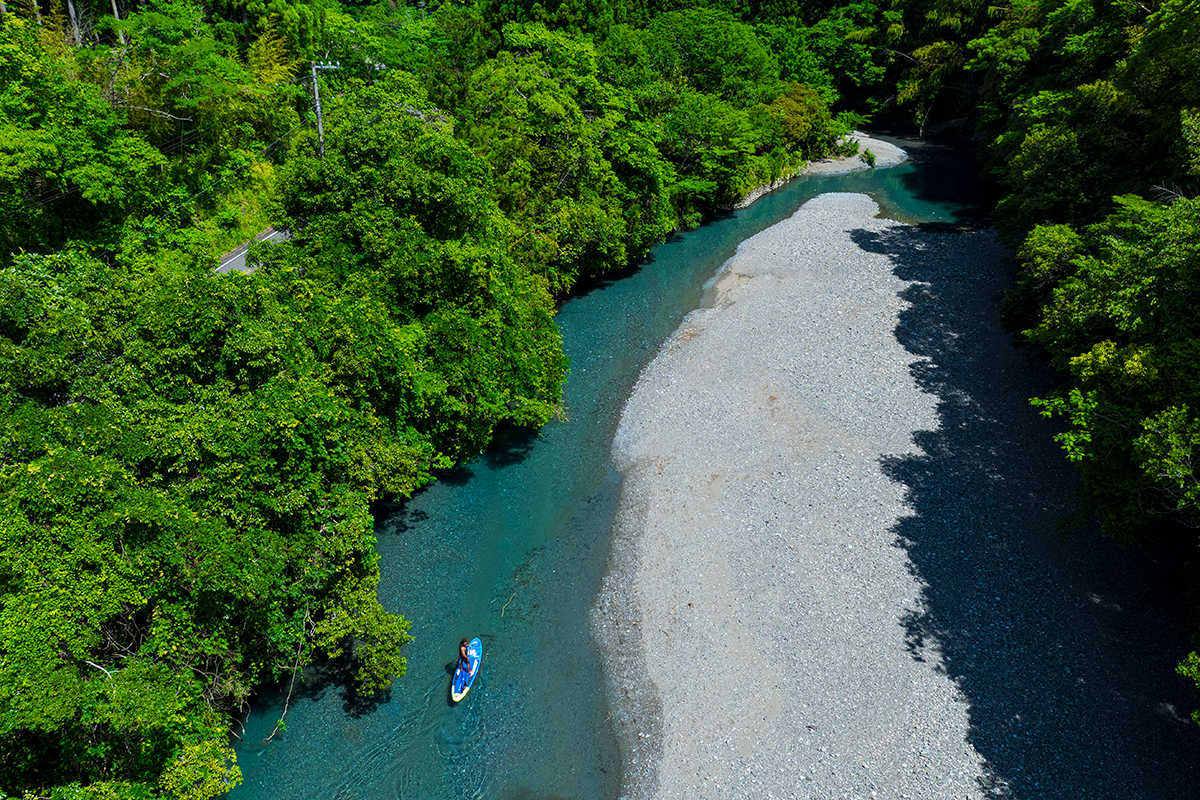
(464, 662)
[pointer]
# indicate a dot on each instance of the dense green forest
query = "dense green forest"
(187, 458)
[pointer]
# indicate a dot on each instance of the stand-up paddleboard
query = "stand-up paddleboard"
(463, 678)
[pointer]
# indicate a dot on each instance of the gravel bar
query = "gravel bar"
(834, 573)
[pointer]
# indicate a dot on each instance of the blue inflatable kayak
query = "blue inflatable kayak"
(463, 678)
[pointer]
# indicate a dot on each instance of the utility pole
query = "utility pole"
(116, 17)
(75, 24)
(316, 65)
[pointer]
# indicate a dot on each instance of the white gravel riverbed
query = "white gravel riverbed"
(756, 555)
(835, 572)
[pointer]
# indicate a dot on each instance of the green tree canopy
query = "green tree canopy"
(713, 53)
(1122, 324)
(185, 514)
(399, 210)
(67, 164)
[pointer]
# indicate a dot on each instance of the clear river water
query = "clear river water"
(512, 546)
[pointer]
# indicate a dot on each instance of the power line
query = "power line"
(41, 202)
(261, 153)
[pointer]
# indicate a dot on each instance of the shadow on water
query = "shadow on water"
(944, 174)
(460, 475)
(1064, 650)
(338, 675)
(597, 282)
(403, 515)
(317, 679)
(510, 446)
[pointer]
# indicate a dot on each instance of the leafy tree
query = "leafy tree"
(66, 164)
(804, 123)
(1189, 123)
(574, 166)
(304, 24)
(838, 55)
(934, 35)
(1045, 259)
(1122, 324)
(1100, 93)
(572, 16)
(1076, 155)
(176, 76)
(461, 41)
(714, 53)
(399, 210)
(709, 140)
(186, 479)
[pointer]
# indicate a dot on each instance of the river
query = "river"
(512, 547)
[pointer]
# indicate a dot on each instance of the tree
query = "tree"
(838, 55)
(574, 162)
(186, 467)
(714, 53)
(1122, 324)
(67, 166)
(176, 76)
(399, 211)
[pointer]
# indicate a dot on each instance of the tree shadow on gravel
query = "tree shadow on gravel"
(1064, 650)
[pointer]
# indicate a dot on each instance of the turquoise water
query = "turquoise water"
(511, 548)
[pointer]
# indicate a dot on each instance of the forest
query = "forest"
(188, 459)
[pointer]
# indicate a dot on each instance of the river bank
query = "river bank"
(756, 534)
(886, 154)
(512, 548)
(834, 572)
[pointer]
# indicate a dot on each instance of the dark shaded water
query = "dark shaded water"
(512, 547)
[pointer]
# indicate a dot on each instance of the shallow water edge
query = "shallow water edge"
(616, 622)
(634, 700)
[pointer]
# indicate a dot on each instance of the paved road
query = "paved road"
(235, 259)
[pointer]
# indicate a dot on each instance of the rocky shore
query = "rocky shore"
(756, 573)
(835, 570)
(885, 153)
